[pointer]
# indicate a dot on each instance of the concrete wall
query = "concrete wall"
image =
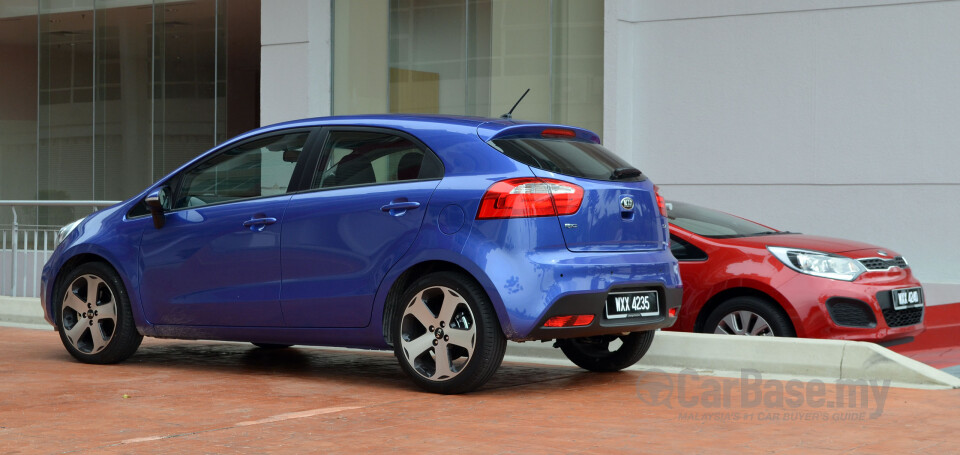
(361, 75)
(830, 117)
(294, 59)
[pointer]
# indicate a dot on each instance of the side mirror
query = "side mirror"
(157, 202)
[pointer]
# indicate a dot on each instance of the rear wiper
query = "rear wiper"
(625, 173)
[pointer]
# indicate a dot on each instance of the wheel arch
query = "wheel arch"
(399, 286)
(62, 271)
(83, 257)
(742, 291)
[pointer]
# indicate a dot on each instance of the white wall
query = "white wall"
(294, 59)
(830, 117)
(361, 75)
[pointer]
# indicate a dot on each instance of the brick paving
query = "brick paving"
(204, 397)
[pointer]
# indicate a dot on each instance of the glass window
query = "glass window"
(18, 108)
(364, 158)
(470, 57)
(568, 157)
(262, 167)
(712, 223)
(684, 251)
(99, 98)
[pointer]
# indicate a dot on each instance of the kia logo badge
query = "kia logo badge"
(882, 253)
(627, 203)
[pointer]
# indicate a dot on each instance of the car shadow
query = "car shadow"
(346, 367)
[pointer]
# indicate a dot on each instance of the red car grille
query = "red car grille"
(884, 264)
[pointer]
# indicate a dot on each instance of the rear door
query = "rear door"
(367, 201)
(619, 211)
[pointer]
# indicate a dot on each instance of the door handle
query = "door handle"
(399, 208)
(257, 224)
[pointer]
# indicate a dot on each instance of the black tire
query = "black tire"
(594, 354)
(425, 323)
(107, 314)
(739, 310)
(271, 345)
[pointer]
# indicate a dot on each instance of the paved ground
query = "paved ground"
(202, 397)
(939, 345)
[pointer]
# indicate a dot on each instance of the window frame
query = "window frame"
(176, 182)
(322, 154)
(702, 257)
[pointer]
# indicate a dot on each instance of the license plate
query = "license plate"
(633, 304)
(906, 298)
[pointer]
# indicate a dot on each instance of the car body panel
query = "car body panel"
(523, 264)
(338, 245)
(803, 241)
(118, 246)
(752, 269)
(603, 225)
(206, 268)
(744, 266)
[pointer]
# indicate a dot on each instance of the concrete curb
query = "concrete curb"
(22, 311)
(774, 358)
(716, 355)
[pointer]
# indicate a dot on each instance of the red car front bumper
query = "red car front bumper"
(839, 309)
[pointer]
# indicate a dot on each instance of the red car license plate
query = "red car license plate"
(906, 298)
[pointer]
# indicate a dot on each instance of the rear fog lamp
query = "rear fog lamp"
(569, 321)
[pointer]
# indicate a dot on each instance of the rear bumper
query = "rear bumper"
(594, 303)
(529, 274)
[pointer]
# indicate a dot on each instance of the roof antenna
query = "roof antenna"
(509, 115)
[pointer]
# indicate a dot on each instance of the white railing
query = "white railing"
(25, 248)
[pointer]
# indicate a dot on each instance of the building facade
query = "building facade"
(831, 117)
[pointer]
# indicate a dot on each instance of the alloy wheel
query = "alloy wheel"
(438, 333)
(89, 314)
(744, 323)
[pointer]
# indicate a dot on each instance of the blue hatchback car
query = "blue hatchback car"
(439, 237)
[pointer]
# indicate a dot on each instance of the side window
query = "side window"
(364, 158)
(685, 251)
(262, 167)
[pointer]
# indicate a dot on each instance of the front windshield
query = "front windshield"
(713, 224)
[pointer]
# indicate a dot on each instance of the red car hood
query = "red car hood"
(807, 242)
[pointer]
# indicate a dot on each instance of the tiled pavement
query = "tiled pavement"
(204, 397)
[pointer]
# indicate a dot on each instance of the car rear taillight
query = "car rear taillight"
(529, 197)
(578, 320)
(661, 204)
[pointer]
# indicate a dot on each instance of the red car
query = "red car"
(744, 278)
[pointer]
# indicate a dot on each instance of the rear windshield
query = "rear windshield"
(713, 224)
(569, 157)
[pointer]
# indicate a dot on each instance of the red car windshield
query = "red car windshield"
(714, 224)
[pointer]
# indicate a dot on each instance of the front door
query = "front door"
(216, 261)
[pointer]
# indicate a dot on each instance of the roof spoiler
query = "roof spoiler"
(503, 129)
